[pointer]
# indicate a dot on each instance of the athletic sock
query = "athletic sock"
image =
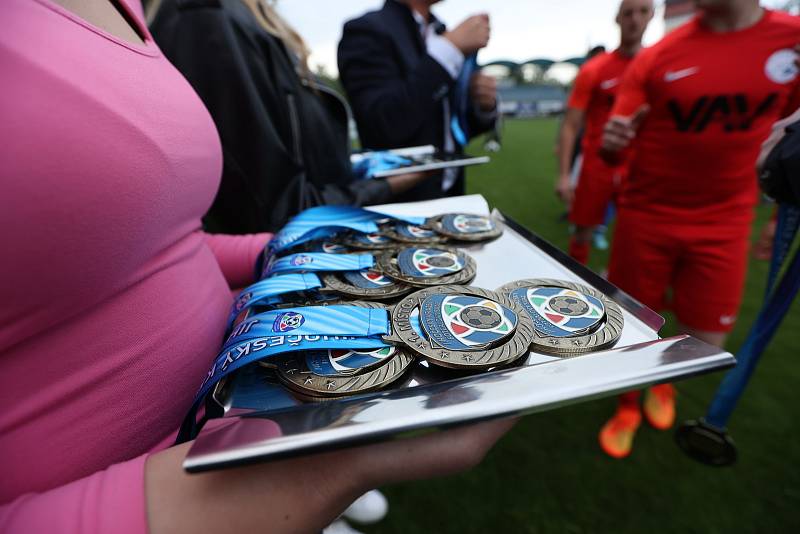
(579, 250)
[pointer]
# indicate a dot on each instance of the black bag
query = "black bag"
(780, 175)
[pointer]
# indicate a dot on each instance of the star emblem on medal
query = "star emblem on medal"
(343, 361)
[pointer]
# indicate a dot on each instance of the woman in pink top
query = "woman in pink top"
(114, 301)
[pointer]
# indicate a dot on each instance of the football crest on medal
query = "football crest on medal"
(465, 322)
(462, 327)
(427, 266)
(428, 262)
(465, 226)
(780, 66)
(568, 317)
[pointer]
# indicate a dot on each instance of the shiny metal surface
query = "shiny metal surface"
(315, 427)
(263, 422)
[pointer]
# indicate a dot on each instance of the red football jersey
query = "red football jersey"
(593, 93)
(713, 98)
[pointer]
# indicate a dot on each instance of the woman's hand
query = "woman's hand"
(302, 494)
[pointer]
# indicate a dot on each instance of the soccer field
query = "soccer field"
(549, 475)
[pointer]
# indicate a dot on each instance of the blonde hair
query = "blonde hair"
(267, 18)
(273, 23)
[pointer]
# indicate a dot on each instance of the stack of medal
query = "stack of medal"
(398, 257)
(299, 323)
(328, 373)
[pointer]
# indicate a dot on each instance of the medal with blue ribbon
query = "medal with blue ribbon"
(411, 233)
(707, 439)
(272, 291)
(281, 331)
(329, 373)
(372, 241)
(368, 284)
(324, 221)
(424, 266)
(465, 226)
(462, 327)
(311, 262)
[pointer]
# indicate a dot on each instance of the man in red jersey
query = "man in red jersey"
(696, 107)
(588, 107)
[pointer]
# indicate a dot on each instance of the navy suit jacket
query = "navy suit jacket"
(396, 90)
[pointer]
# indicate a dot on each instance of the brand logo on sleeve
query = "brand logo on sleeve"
(675, 75)
(780, 67)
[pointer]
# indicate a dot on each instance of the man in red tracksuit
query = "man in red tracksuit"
(588, 107)
(695, 107)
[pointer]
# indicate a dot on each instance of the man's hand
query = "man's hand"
(400, 183)
(618, 133)
(762, 250)
(564, 190)
(483, 91)
(471, 35)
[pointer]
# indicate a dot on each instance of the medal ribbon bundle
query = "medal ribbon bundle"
(301, 323)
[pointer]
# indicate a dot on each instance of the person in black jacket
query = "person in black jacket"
(399, 68)
(284, 133)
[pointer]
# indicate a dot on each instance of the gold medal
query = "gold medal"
(424, 266)
(462, 327)
(569, 318)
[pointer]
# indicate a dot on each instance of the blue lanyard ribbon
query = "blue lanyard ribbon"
(324, 221)
(318, 262)
(779, 298)
(290, 330)
(373, 162)
(458, 122)
(269, 291)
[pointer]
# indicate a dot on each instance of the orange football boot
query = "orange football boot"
(659, 406)
(616, 436)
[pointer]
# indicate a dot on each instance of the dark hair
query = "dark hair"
(593, 51)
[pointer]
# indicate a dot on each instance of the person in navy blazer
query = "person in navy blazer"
(399, 67)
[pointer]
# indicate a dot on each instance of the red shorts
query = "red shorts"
(704, 265)
(597, 186)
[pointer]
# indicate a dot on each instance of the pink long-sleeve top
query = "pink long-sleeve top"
(112, 300)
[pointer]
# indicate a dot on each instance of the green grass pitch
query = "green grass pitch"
(549, 475)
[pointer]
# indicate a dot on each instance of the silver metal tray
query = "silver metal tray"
(263, 422)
